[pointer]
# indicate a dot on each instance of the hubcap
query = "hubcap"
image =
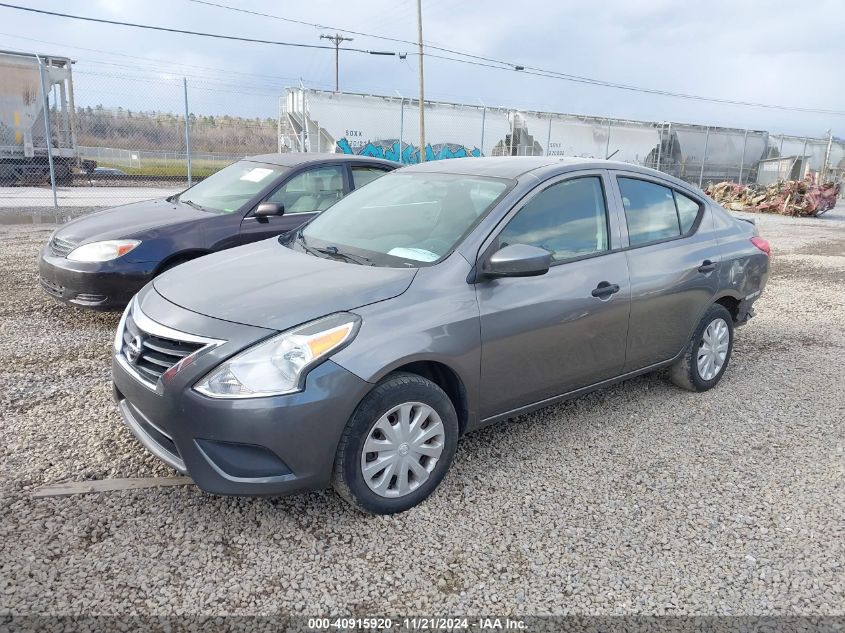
(402, 449)
(713, 349)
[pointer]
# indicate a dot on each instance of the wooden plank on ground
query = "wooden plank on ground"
(109, 485)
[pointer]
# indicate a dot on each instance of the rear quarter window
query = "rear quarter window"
(363, 174)
(687, 211)
(649, 211)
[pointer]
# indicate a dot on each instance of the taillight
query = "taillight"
(763, 245)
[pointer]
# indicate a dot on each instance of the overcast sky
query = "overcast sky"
(777, 52)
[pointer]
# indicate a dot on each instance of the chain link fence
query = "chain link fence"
(123, 126)
(385, 126)
(119, 126)
(167, 140)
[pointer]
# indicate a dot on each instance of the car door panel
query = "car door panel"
(547, 335)
(668, 296)
(668, 291)
(543, 336)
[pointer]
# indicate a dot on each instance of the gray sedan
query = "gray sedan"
(443, 297)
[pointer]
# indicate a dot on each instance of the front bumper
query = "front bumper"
(262, 446)
(97, 285)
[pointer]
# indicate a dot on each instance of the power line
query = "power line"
(151, 61)
(527, 70)
(185, 32)
(317, 25)
(498, 64)
(473, 59)
(235, 89)
(158, 73)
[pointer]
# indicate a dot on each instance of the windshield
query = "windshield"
(405, 218)
(231, 187)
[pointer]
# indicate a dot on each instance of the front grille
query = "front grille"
(60, 247)
(154, 354)
(51, 287)
(85, 297)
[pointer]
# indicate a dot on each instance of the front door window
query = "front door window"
(312, 191)
(568, 219)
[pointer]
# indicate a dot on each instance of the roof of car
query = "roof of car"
(500, 166)
(295, 159)
(515, 166)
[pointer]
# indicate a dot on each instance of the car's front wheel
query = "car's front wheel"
(708, 353)
(397, 446)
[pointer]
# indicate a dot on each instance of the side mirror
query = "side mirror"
(266, 209)
(517, 260)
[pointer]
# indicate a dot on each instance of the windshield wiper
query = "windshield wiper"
(355, 259)
(193, 204)
(316, 252)
(333, 252)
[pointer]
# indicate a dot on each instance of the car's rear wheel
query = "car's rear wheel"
(708, 353)
(397, 446)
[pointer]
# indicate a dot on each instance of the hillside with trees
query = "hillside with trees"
(138, 130)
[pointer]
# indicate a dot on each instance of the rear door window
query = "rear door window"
(649, 211)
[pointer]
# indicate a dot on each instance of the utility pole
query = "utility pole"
(422, 82)
(337, 39)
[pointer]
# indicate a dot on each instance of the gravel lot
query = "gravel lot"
(638, 499)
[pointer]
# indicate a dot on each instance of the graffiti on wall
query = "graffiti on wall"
(409, 154)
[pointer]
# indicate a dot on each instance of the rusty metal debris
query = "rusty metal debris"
(786, 197)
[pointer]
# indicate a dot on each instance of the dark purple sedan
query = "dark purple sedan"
(100, 261)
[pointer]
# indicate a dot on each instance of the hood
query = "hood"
(271, 286)
(128, 220)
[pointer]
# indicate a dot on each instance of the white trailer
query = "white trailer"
(25, 78)
(387, 127)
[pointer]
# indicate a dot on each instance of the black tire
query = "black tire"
(395, 389)
(684, 373)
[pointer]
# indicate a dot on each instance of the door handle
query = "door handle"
(605, 289)
(707, 266)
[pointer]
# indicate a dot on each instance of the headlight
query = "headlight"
(102, 251)
(279, 365)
